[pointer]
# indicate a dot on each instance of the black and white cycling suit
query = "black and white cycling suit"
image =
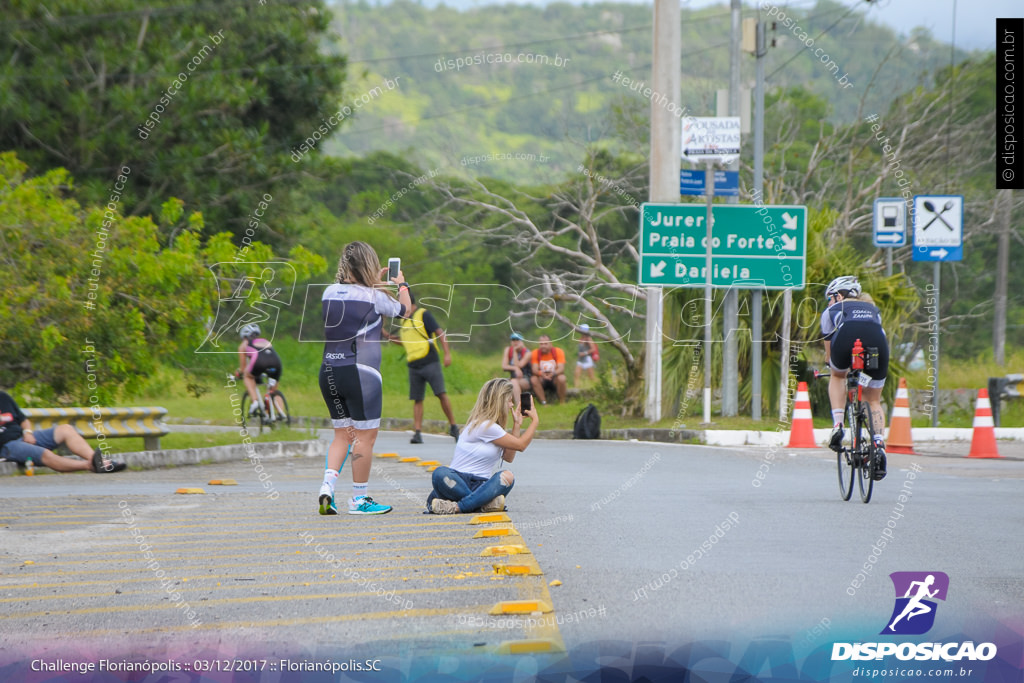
(846, 321)
(350, 380)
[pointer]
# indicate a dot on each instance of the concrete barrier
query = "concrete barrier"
(149, 460)
(110, 422)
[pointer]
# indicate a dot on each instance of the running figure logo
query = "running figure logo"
(914, 612)
(248, 292)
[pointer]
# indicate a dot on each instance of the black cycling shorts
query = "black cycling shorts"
(354, 395)
(271, 371)
(870, 335)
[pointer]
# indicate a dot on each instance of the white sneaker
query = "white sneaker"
(440, 506)
(497, 504)
(327, 506)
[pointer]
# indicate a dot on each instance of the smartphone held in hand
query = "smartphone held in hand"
(394, 266)
(527, 402)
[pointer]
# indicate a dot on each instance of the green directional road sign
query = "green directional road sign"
(751, 246)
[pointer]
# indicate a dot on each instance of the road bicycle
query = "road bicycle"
(268, 413)
(857, 456)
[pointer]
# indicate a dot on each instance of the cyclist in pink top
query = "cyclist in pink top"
(257, 356)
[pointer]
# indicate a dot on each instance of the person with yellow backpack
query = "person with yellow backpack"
(418, 335)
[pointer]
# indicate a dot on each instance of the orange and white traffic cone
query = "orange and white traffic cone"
(801, 430)
(900, 440)
(983, 442)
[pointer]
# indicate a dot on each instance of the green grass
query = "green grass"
(463, 380)
(179, 440)
(972, 374)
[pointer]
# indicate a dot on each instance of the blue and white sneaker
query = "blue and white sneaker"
(366, 506)
(327, 506)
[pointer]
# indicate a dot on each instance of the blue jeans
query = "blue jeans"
(469, 491)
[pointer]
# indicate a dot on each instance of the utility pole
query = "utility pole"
(1004, 204)
(730, 323)
(666, 147)
(760, 50)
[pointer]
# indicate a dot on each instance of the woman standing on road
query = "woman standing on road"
(350, 379)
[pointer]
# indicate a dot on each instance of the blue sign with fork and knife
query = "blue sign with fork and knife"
(938, 227)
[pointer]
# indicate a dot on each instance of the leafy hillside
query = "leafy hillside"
(511, 91)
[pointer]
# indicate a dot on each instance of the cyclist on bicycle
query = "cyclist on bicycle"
(851, 315)
(257, 356)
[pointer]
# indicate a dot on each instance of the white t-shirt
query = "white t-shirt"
(475, 453)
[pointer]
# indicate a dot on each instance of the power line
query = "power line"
(806, 46)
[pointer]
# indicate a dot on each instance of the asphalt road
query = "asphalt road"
(650, 542)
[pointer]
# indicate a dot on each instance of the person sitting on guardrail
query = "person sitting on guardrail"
(515, 360)
(470, 483)
(19, 442)
(547, 370)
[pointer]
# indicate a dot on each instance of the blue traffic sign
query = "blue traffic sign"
(938, 227)
(890, 222)
(727, 183)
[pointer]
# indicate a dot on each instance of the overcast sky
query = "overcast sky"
(975, 19)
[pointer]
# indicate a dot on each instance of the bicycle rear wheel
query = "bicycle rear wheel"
(844, 458)
(283, 414)
(866, 471)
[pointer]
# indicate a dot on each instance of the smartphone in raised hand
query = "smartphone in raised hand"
(394, 266)
(526, 399)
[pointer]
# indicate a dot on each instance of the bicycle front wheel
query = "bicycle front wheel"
(251, 421)
(844, 458)
(866, 471)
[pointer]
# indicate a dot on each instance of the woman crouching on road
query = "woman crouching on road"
(471, 482)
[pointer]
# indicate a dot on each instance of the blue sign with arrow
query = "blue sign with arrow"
(938, 227)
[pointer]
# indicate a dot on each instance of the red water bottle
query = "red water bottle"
(858, 356)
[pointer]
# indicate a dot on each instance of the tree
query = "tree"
(574, 251)
(205, 101)
(95, 300)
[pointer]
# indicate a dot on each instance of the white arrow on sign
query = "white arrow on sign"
(889, 237)
(788, 243)
(789, 222)
(658, 269)
(941, 253)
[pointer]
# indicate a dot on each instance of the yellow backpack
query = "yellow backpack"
(415, 339)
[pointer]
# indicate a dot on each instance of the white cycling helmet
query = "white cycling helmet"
(845, 283)
(250, 330)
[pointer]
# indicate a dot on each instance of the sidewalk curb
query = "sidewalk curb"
(151, 460)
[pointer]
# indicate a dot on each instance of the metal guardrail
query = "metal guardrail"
(1000, 388)
(110, 422)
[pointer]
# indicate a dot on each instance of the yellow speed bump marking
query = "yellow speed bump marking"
(428, 463)
(222, 482)
(190, 490)
(488, 519)
(386, 455)
(527, 647)
(432, 468)
(409, 459)
(520, 607)
(490, 533)
(529, 569)
(491, 551)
